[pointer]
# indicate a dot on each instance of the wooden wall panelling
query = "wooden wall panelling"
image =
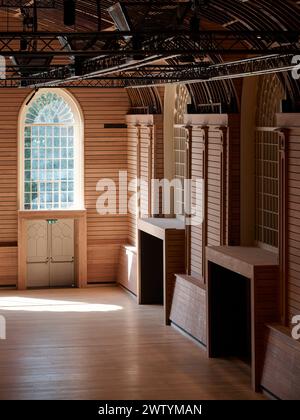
(214, 187)
(8, 265)
(103, 262)
(133, 141)
(145, 170)
(223, 184)
(11, 101)
(188, 175)
(189, 307)
(105, 155)
(174, 251)
(281, 369)
(289, 124)
(145, 160)
(198, 233)
(233, 230)
(283, 220)
(219, 164)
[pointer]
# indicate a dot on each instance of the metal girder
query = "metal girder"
(145, 43)
(41, 4)
(90, 83)
(149, 75)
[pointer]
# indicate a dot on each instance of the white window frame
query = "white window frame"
(78, 147)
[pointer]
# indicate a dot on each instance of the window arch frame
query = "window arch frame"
(78, 147)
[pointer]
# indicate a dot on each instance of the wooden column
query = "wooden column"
(223, 185)
(283, 219)
(150, 167)
(138, 166)
(205, 131)
(188, 175)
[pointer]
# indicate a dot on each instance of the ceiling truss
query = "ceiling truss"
(128, 59)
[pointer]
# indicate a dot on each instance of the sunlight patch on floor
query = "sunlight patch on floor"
(15, 303)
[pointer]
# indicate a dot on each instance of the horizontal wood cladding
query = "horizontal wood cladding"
(281, 370)
(127, 272)
(103, 262)
(105, 149)
(105, 154)
(8, 266)
(293, 214)
(11, 101)
(292, 208)
(174, 262)
(189, 307)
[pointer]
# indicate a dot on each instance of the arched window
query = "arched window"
(52, 152)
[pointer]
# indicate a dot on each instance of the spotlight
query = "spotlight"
(69, 12)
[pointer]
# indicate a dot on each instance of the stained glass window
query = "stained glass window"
(49, 161)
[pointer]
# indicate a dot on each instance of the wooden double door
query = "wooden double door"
(50, 253)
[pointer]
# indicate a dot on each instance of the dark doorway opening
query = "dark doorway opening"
(151, 270)
(229, 314)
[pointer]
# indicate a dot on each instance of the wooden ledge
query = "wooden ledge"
(157, 227)
(55, 214)
(191, 279)
(241, 260)
(285, 333)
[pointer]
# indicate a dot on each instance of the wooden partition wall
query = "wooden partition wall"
(144, 161)
(289, 246)
(213, 155)
(280, 371)
(214, 148)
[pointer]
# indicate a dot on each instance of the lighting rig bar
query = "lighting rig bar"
(88, 83)
(145, 43)
(149, 74)
(41, 4)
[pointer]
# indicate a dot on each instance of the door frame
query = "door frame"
(80, 235)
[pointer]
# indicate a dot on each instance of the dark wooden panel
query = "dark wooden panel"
(281, 368)
(189, 307)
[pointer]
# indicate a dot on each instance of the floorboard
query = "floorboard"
(97, 343)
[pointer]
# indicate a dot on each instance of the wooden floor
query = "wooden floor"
(98, 344)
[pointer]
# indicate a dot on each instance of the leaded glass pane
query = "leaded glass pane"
(49, 155)
(49, 108)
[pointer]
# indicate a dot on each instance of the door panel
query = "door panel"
(37, 254)
(62, 274)
(62, 253)
(50, 253)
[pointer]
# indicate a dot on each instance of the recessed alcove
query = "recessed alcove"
(230, 314)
